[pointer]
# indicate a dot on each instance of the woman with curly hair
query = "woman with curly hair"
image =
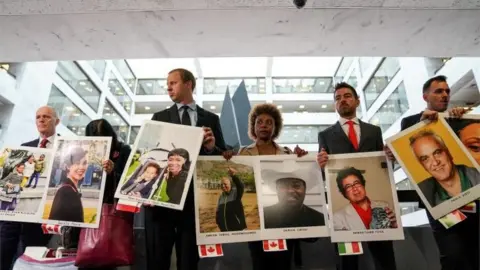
(264, 126)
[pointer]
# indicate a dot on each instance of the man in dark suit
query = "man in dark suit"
(458, 245)
(166, 227)
(350, 135)
(28, 234)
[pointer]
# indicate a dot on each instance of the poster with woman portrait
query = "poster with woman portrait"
(363, 199)
(77, 181)
(24, 177)
(291, 197)
(226, 200)
(467, 129)
(440, 166)
(161, 164)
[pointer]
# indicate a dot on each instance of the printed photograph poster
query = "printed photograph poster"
(291, 197)
(226, 200)
(467, 129)
(161, 164)
(24, 177)
(77, 182)
(438, 164)
(363, 199)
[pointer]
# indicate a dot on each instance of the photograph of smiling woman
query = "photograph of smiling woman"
(171, 186)
(71, 199)
(467, 130)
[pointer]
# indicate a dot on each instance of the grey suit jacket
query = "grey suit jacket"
(335, 141)
(429, 186)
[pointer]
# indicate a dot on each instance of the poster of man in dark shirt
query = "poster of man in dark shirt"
(290, 210)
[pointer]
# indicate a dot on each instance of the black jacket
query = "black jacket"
(277, 217)
(175, 187)
(230, 214)
(119, 161)
(67, 205)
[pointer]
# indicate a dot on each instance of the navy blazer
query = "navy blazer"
(335, 141)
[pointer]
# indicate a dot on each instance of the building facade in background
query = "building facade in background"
(127, 92)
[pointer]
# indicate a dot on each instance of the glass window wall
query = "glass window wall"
(365, 64)
(219, 86)
(151, 87)
(352, 79)
(125, 72)
(300, 134)
(71, 73)
(392, 109)
(433, 65)
(343, 68)
(115, 119)
(382, 77)
(119, 92)
(303, 85)
(99, 67)
(11, 68)
(69, 114)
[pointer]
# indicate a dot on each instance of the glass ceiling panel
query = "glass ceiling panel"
(233, 67)
(159, 68)
(305, 66)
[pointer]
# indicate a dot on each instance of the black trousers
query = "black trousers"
(165, 228)
(382, 253)
(459, 245)
(278, 260)
(13, 234)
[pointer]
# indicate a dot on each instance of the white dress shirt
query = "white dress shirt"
(356, 126)
(192, 111)
(50, 139)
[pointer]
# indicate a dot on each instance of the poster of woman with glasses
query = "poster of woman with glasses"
(364, 204)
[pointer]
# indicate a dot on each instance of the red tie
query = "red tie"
(43, 143)
(352, 135)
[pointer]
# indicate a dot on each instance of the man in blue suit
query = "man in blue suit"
(28, 234)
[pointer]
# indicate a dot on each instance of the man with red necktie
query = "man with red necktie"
(28, 234)
(351, 135)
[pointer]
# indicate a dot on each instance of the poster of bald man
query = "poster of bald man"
(363, 200)
(226, 200)
(440, 166)
(161, 165)
(292, 197)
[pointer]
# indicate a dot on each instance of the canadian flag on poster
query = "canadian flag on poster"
(51, 229)
(274, 245)
(128, 206)
(210, 250)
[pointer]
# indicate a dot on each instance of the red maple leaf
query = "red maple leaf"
(273, 244)
(211, 250)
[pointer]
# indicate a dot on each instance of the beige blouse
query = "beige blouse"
(252, 150)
